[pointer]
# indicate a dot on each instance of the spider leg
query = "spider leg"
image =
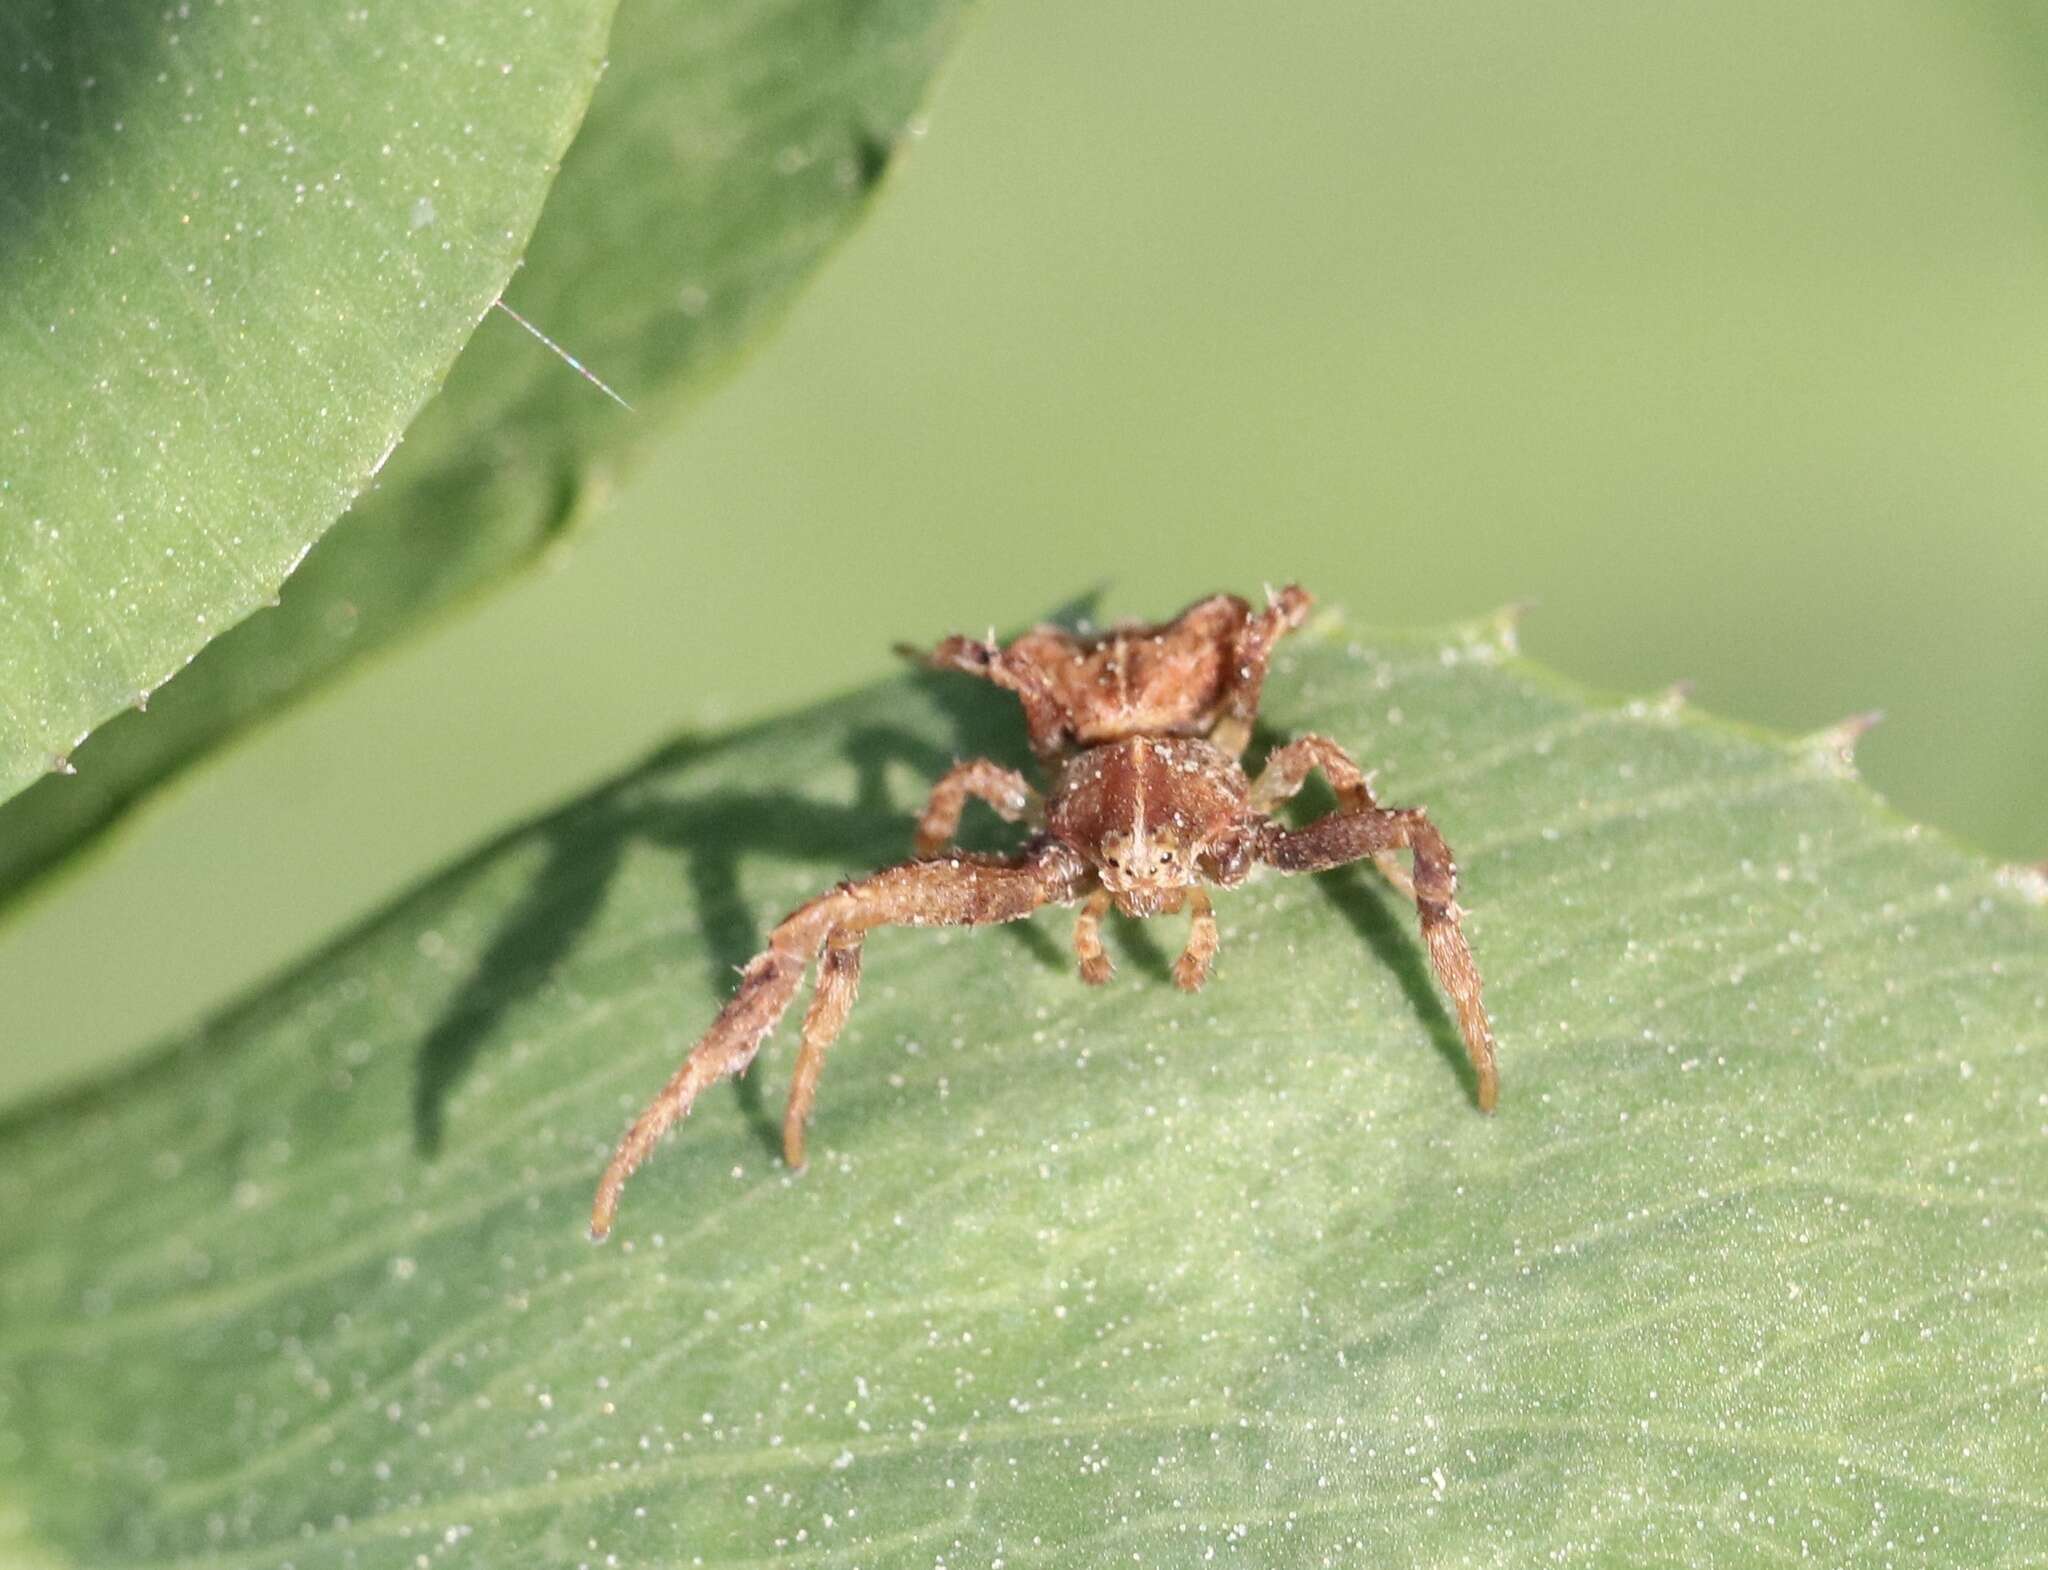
(1288, 769)
(1044, 716)
(1345, 836)
(1003, 789)
(831, 1002)
(1192, 968)
(1251, 652)
(1095, 963)
(958, 890)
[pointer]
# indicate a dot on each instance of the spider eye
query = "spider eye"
(1165, 856)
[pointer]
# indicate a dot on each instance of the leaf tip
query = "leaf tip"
(1834, 747)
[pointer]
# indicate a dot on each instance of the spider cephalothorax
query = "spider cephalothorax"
(1139, 731)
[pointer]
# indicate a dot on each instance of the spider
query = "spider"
(1139, 731)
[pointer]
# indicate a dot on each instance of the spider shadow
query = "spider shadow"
(1375, 912)
(717, 836)
(1365, 903)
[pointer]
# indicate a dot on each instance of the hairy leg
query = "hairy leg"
(1095, 964)
(831, 1002)
(1044, 717)
(1003, 789)
(1192, 968)
(1348, 836)
(1288, 769)
(962, 890)
(1252, 652)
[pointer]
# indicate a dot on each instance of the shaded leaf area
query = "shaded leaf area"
(730, 147)
(239, 246)
(1748, 1269)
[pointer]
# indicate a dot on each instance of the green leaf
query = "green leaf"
(239, 246)
(1748, 1269)
(731, 146)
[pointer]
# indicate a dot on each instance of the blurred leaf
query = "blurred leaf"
(1748, 1268)
(731, 146)
(238, 249)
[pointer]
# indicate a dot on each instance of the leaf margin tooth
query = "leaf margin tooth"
(1833, 747)
(1671, 702)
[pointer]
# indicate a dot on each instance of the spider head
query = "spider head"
(1145, 868)
(1150, 814)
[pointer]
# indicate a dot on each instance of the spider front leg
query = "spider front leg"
(1288, 769)
(960, 890)
(1003, 789)
(1346, 836)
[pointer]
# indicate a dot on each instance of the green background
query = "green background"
(1720, 332)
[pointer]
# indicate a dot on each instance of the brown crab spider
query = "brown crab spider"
(1139, 731)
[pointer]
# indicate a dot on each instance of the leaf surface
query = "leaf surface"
(731, 145)
(239, 246)
(1748, 1269)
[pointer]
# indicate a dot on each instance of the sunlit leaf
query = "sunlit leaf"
(1748, 1269)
